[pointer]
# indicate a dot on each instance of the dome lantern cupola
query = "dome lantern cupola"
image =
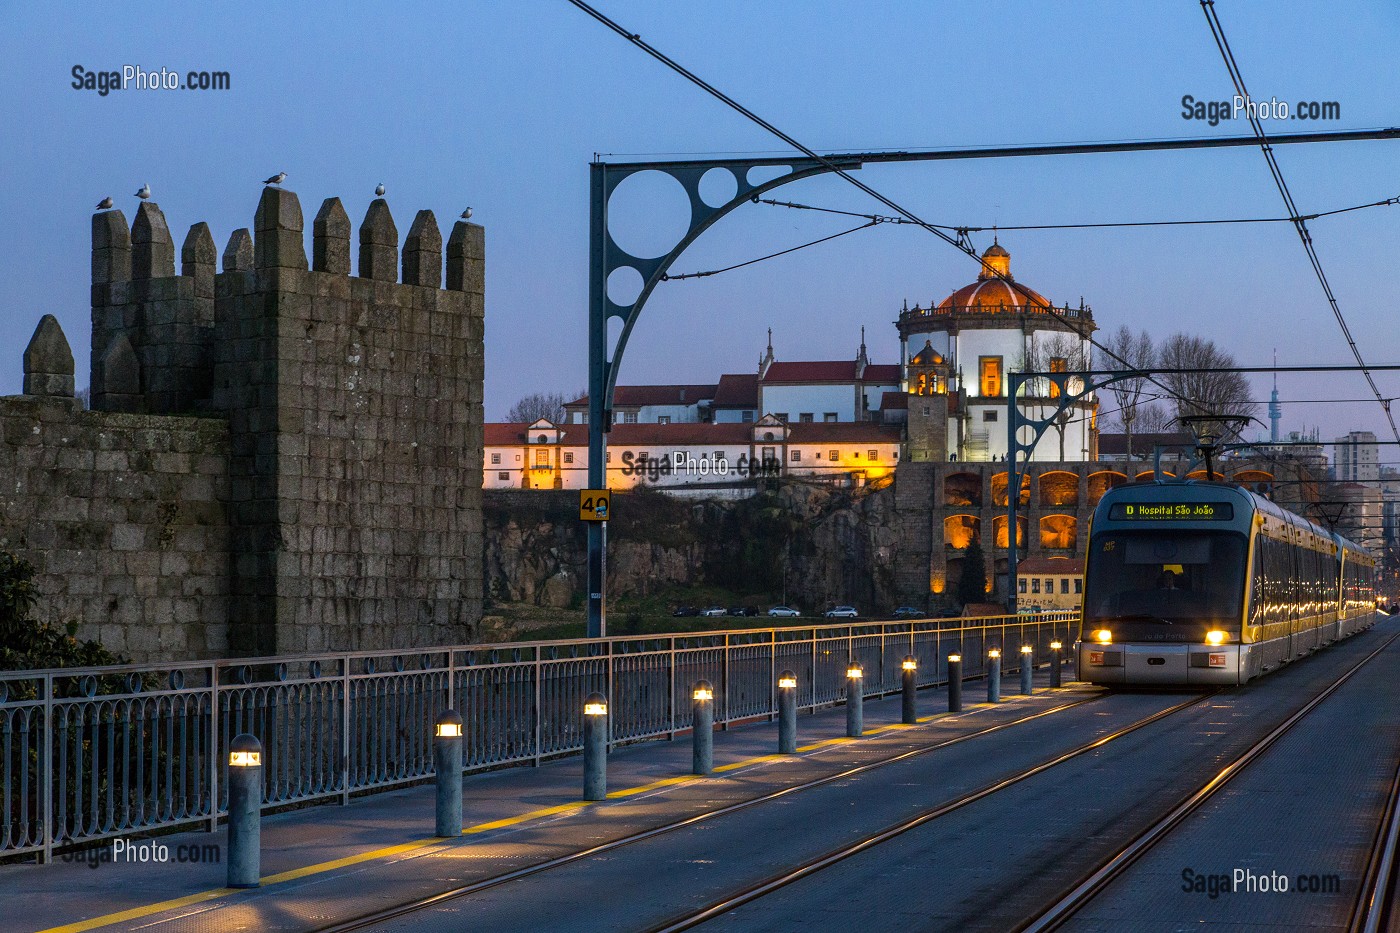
(996, 261)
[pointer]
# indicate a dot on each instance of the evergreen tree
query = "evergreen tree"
(972, 588)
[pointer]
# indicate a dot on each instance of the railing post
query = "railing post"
(724, 675)
(213, 747)
(47, 775)
(345, 720)
(539, 706)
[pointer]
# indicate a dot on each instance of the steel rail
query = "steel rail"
(1089, 887)
(410, 907)
(812, 866)
(1372, 910)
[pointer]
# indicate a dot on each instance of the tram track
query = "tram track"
(1371, 904)
(408, 908)
(1374, 910)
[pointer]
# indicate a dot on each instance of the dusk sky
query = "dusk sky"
(501, 106)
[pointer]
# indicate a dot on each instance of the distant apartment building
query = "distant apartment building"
(1356, 458)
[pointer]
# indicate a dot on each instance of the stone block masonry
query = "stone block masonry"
(282, 457)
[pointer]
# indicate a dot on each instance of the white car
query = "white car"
(786, 612)
(715, 611)
(842, 612)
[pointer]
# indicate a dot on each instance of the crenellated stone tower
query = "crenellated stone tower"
(351, 481)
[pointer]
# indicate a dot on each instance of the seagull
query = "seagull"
(104, 204)
(467, 214)
(379, 190)
(276, 179)
(145, 192)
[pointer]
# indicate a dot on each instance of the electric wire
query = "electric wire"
(1299, 224)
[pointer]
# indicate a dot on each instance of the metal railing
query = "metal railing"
(88, 754)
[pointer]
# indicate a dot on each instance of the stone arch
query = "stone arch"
(1102, 481)
(1146, 475)
(1059, 533)
(999, 531)
(959, 531)
(1059, 489)
(1260, 481)
(963, 489)
(999, 482)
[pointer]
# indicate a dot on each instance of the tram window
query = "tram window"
(1166, 575)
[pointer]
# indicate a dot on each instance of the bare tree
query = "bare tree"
(1220, 390)
(1059, 353)
(539, 405)
(1127, 352)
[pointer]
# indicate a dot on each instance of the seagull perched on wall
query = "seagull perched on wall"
(276, 179)
(104, 204)
(379, 190)
(467, 214)
(145, 193)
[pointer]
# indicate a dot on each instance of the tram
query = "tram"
(1207, 583)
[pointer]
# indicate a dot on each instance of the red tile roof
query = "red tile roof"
(630, 396)
(894, 401)
(881, 372)
(737, 390)
(682, 434)
(811, 371)
(1043, 565)
(847, 432)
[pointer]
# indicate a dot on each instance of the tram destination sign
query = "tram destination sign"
(1172, 512)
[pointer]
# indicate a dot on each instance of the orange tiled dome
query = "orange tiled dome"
(990, 294)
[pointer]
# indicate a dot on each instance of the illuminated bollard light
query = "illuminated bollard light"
(855, 700)
(595, 747)
(1056, 662)
(909, 712)
(447, 765)
(994, 676)
(702, 711)
(787, 713)
(955, 683)
(244, 811)
(1027, 669)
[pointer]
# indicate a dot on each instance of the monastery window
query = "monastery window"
(663, 419)
(495, 459)
(568, 456)
(1064, 586)
(541, 458)
(989, 371)
(629, 417)
(873, 455)
(746, 417)
(796, 456)
(1078, 586)
(1035, 586)
(1023, 584)
(719, 455)
(829, 417)
(503, 475)
(1058, 364)
(834, 456)
(989, 415)
(805, 417)
(781, 416)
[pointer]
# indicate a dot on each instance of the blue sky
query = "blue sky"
(501, 105)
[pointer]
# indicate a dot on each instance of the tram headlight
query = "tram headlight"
(1103, 636)
(1215, 637)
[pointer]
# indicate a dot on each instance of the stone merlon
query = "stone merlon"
(48, 361)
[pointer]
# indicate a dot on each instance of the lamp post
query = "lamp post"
(447, 763)
(595, 747)
(787, 713)
(702, 730)
(909, 712)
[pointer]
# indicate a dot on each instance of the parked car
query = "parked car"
(713, 611)
(909, 612)
(784, 612)
(684, 611)
(841, 612)
(743, 611)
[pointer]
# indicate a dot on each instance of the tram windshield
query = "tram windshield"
(1165, 577)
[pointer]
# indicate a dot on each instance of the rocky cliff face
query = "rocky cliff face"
(834, 546)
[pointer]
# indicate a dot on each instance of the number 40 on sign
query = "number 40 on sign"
(593, 504)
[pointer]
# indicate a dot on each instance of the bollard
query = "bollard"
(955, 683)
(909, 713)
(1027, 669)
(994, 676)
(447, 765)
(595, 747)
(244, 811)
(1056, 661)
(855, 701)
(702, 728)
(787, 713)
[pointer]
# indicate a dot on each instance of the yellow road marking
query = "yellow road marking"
(147, 910)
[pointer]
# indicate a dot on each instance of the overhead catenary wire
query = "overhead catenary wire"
(1299, 223)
